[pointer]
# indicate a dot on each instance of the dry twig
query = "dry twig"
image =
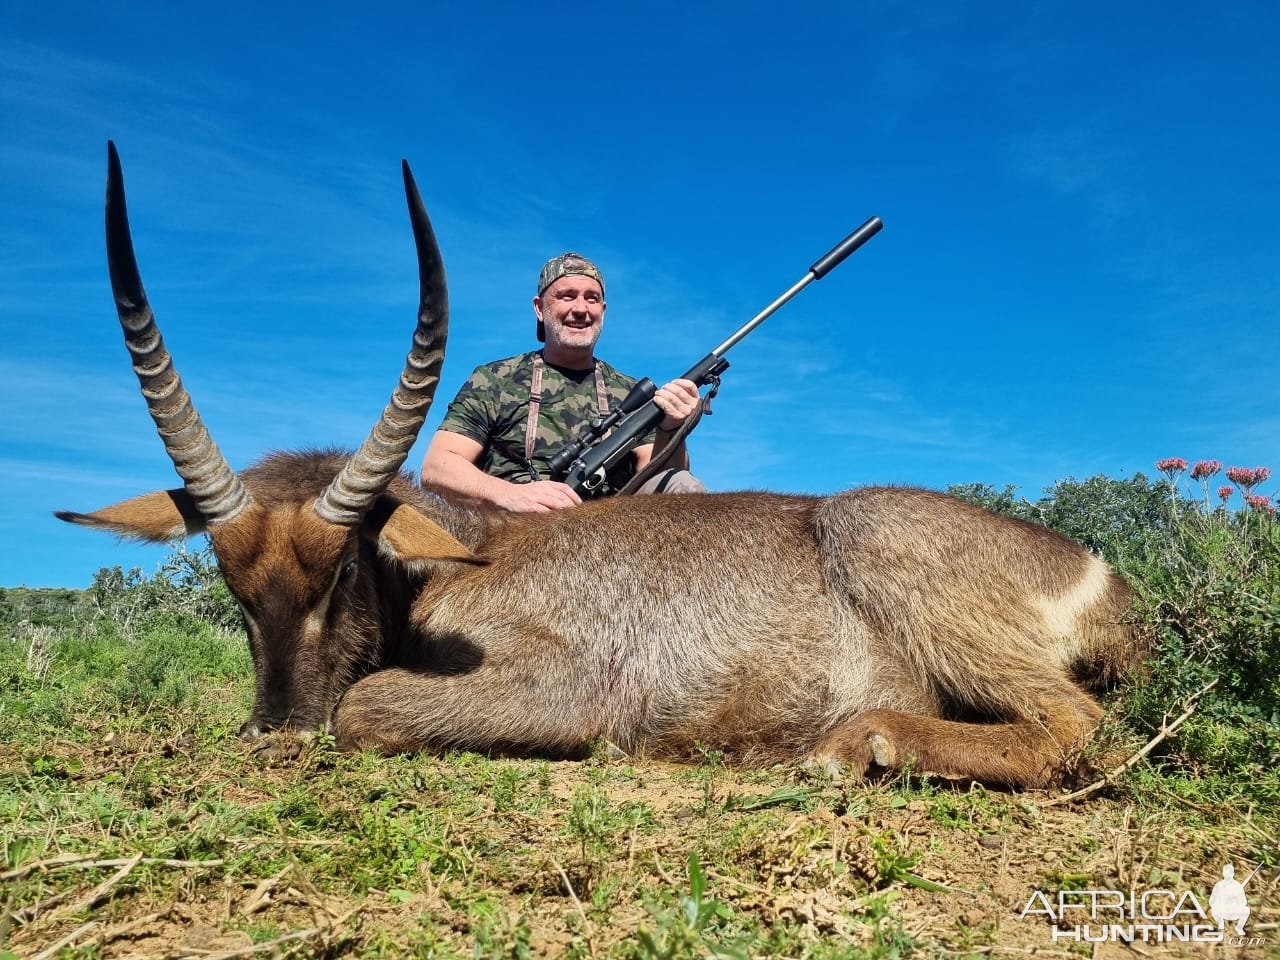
(66, 941)
(586, 924)
(100, 892)
(1162, 734)
(87, 902)
(27, 914)
(249, 951)
(61, 860)
(260, 898)
(126, 929)
(662, 871)
(73, 861)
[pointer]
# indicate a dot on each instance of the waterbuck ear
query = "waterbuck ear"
(161, 516)
(411, 538)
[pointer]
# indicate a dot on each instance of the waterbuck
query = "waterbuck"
(875, 628)
(298, 535)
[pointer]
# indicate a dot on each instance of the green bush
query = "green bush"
(1207, 583)
(127, 645)
(187, 588)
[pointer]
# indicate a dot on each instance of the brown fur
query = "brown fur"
(771, 627)
(321, 606)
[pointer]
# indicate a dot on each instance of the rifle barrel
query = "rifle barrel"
(824, 265)
(763, 315)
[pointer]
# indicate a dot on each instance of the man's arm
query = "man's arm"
(450, 464)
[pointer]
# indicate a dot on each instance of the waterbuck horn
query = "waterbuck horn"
(218, 493)
(370, 469)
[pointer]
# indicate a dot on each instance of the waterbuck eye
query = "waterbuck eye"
(349, 568)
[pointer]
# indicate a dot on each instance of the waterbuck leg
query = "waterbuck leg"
(1029, 753)
(402, 711)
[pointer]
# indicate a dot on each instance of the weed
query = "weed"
(895, 865)
(788, 796)
(688, 930)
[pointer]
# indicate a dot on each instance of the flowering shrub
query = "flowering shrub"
(1246, 479)
(1207, 586)
(1204, 469)
(1261, 504)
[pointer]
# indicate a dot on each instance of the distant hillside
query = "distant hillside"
(41, 605)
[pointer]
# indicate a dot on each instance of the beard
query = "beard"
(578, 338)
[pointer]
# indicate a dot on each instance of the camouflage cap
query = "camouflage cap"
(568, 265)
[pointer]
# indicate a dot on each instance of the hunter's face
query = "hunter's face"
(572, 310)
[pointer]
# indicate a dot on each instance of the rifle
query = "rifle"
(583, 463)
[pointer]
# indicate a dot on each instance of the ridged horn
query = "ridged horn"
(366, 475)
(218, 492)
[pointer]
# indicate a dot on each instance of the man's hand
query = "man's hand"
(677, 400)
(541, 496)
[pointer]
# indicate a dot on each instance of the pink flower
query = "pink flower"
(1246, 479)
(1261, 504)
(1204, 469)
(1224, 493)
(1171, 466)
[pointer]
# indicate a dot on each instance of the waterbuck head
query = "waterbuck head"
(318, 548)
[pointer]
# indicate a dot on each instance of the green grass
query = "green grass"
(120, 704)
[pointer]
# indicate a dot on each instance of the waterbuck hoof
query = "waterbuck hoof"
(861, 743)
(882, 751)
(281, 746)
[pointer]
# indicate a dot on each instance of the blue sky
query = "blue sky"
(1079, 271)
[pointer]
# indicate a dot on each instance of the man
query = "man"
(513, 415)
(1227, 901)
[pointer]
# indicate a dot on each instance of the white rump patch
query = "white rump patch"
(1062, 613)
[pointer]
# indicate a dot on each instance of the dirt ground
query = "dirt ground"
(521, 858)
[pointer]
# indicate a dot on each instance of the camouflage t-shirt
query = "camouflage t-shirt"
(492, 408)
